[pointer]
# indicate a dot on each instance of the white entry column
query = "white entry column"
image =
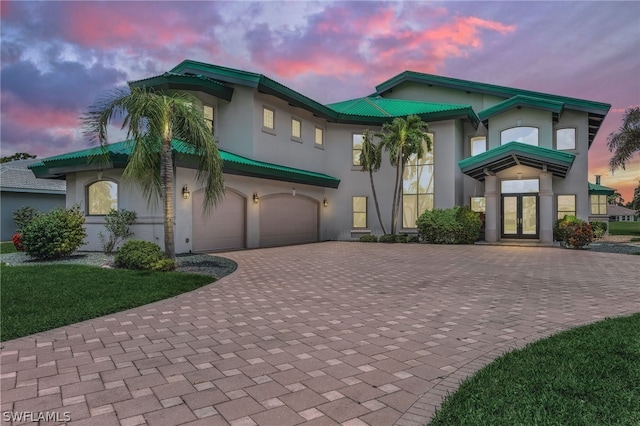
(491, 226)
(546, 207)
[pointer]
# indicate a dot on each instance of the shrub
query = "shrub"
(561, 226)
(17, 242)
(413, 238)
(368, 239)
(56, 234)
(387, 238)
(573, 232)
(24, 216)
(117, 223)
(142, 255)
(457, 225)
(599, 229)
(401, 238)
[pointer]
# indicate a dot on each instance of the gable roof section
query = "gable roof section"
(596, 189)
(596, 110)
(118, 154)
(174, 81)
(615, 210)
(516, 153)
(519, 101)
(15, 176)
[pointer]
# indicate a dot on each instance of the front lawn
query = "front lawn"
(624, 228)
(585, 376)
(37, 298)
(7, 247)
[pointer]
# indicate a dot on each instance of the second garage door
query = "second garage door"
(222, 229)
(285, 219)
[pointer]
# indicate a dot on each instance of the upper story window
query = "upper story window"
(356, 149)
(319, 136)
(417, 186)
(566, 139)
(208, 116)
(268, 120)
(478, 145)
(102, 196)
(296, 129)
(526, 135)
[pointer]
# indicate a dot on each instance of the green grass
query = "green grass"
(38, 298)
(624, 228)
(585, 376)
(7, 247)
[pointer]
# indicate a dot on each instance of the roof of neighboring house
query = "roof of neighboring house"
(517, 153)
(600, 189)
(615, 210)
(118, 154)
(15, 176)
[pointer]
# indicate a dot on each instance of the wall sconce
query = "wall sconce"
(293, 192)
(256, 199)
(325, 203)
(185, 192)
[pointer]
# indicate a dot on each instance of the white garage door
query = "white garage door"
(223, 228)
(285, 219)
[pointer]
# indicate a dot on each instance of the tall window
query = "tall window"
(478, 145)
(598, 204)
(359, 212)
(296, 129)
(102, 196)
(526, 135)
(319, 136)
(566, 205)
(417, 186)
(208, 116)
(356, 149)
(566, 139)
(268, 119)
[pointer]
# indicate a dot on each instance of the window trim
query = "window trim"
(293, 137)
(213, 117)
(575, 139)
(88, 201)
(599, 204)
(315, 137)
(270, 130)
(519, 127)
(353, 165)
(566, 212)
(366, 213)
(471, 154)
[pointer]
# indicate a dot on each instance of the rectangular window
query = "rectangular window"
(356, 149)
(566, 205)
(208, 116)
(417, 186)
(359, 212)
(519, 186)
(319, 136)
(296, 129)
(268, 119)
(598, 204)
(478, 204)
(478, 145)
(566, 139)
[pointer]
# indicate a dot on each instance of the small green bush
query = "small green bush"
(457, 225)
(560, 226)
(368, 239)
(599, 229)
(387, 238)
(24, 216)
(56, 234)
(470, 225)
(142, 255)
(574, 232)
(117, 223)
(413, 238)
(401, 238)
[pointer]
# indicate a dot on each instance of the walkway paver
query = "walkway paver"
(328, 333)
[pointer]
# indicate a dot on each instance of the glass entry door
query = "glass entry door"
(520, 216)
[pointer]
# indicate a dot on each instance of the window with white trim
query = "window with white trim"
(296, 129)
(268, 119)
(526, 135)
(102, 197)
(319, 136)
(356, 149)
(478, 145)
(565, 139)
(359, 207)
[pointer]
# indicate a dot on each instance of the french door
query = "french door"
(520, 216)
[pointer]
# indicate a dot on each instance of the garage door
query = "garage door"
(222, 229)
(285, 219)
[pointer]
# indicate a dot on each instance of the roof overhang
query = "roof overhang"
(596, 189)
(173, 81)
(515, 154)
(522, 101)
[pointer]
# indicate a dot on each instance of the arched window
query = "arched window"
(526, 135)
(102, 196)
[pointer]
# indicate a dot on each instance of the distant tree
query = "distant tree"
(626, 141)
(635, 203)
(615, 199)
(17, 156)
(370, 161)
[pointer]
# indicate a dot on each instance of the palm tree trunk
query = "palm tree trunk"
(396, 195)
(375, 200)
(167, 193)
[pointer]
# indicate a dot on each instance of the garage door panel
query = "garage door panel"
(285, 220)
(223, 228)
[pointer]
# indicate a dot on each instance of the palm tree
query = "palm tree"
(370, 160)
(403, 138)
(153, 119)
(626, 141)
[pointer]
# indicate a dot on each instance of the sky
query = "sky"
(57, 58)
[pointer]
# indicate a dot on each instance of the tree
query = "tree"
(635, 203)
(626, 142)
(403, 138)
(370, 161)
(615, 199)
(17, 156)
(153, 119)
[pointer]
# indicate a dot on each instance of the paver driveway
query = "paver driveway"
(328, 333)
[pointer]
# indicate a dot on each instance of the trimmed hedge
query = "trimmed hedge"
(457, 225)
(368, 239)
(53, 235)
(143, 255)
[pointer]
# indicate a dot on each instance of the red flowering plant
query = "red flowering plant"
(17, 242)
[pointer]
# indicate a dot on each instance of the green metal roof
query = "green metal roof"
(516, 153)
(57, 166)
(600, 189)
(519, 101)
(175, 81)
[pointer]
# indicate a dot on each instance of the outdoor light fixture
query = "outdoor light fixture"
(325, 202)
(293, 192)
(185, 192)
(256, 199)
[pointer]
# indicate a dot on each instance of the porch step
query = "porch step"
(518, 243)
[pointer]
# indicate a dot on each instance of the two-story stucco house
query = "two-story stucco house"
(291, 164)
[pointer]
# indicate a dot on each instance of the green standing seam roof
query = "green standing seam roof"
(231, 163)
(175, 81)
(519, 101)
(516, 153)
(600, 189)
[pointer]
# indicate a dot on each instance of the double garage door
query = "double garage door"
(283, 220)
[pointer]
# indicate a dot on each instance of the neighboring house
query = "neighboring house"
(291, 164)
(598, 200)
(621, 214)
(20, 188)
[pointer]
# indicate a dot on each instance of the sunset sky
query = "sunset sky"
(59, 57)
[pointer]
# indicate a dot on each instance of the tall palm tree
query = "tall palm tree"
(403, 138)
(153, 119)
(626, 141)
(370, 161)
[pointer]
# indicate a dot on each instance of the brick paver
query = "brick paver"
(328, 333)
